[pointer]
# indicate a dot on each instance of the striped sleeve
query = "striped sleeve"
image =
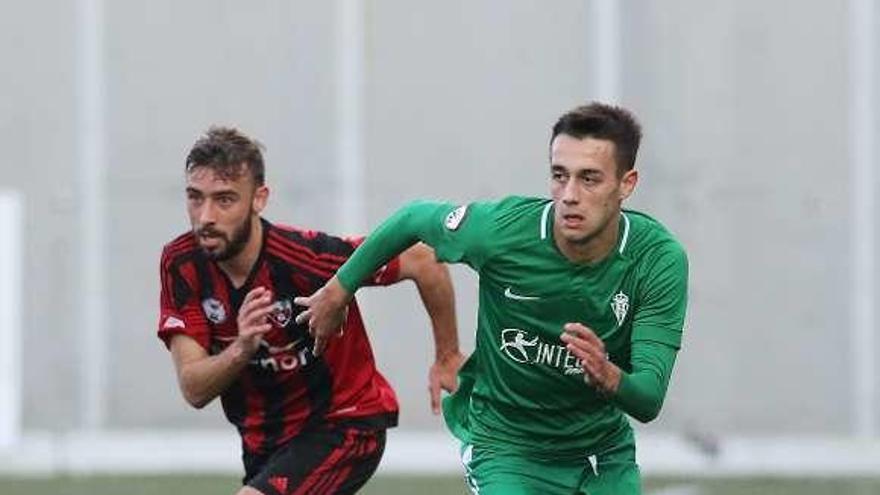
(180, 311)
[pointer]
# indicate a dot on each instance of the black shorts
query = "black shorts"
(332, 460)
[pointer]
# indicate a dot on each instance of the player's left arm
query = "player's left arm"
(656, 338)
(639, 393)
(432, 279)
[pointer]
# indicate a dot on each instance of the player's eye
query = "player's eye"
(558, 176)
(590, 179)
(225, 201)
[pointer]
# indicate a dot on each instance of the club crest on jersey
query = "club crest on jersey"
(455, 217)
(620, 306)
(214, 310)
(282, 312)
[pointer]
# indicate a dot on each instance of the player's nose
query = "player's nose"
(570, 192)
(208, 213)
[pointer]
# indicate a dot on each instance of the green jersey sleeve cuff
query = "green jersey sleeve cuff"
(660, 335)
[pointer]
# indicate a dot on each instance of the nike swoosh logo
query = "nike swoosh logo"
(512, 295)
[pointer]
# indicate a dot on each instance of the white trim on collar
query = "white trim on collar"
(625, 232)
(544, 215)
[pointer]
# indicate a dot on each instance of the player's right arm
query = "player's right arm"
(439, 225)
(185, 330)
(201, 376)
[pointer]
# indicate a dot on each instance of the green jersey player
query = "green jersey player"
(581, 310)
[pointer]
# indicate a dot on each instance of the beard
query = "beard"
(234, 243)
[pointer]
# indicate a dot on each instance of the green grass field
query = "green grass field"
(388, 485)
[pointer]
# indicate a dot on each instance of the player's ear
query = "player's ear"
(261, 198)
(628, 183)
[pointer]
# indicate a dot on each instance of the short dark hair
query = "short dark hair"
(602, 121)
(225, 150)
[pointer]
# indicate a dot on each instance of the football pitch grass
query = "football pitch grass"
(397, 485)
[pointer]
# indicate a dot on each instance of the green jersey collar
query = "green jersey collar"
(625, 236)
(546, 227)
(544, 223)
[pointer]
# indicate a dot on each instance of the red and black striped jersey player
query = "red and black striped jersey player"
(308, 424)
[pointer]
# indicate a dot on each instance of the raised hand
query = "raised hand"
(325, 313)
(253, 321)
(599, 371)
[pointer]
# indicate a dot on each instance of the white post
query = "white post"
(11, 260)
(349, 114)
(864, 233)
(606, 40)
(92, 213)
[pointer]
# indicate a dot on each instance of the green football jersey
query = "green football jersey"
(521, 388)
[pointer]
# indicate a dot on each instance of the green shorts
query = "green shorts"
(612, 472)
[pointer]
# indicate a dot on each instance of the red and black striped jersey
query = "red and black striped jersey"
(284, 389)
